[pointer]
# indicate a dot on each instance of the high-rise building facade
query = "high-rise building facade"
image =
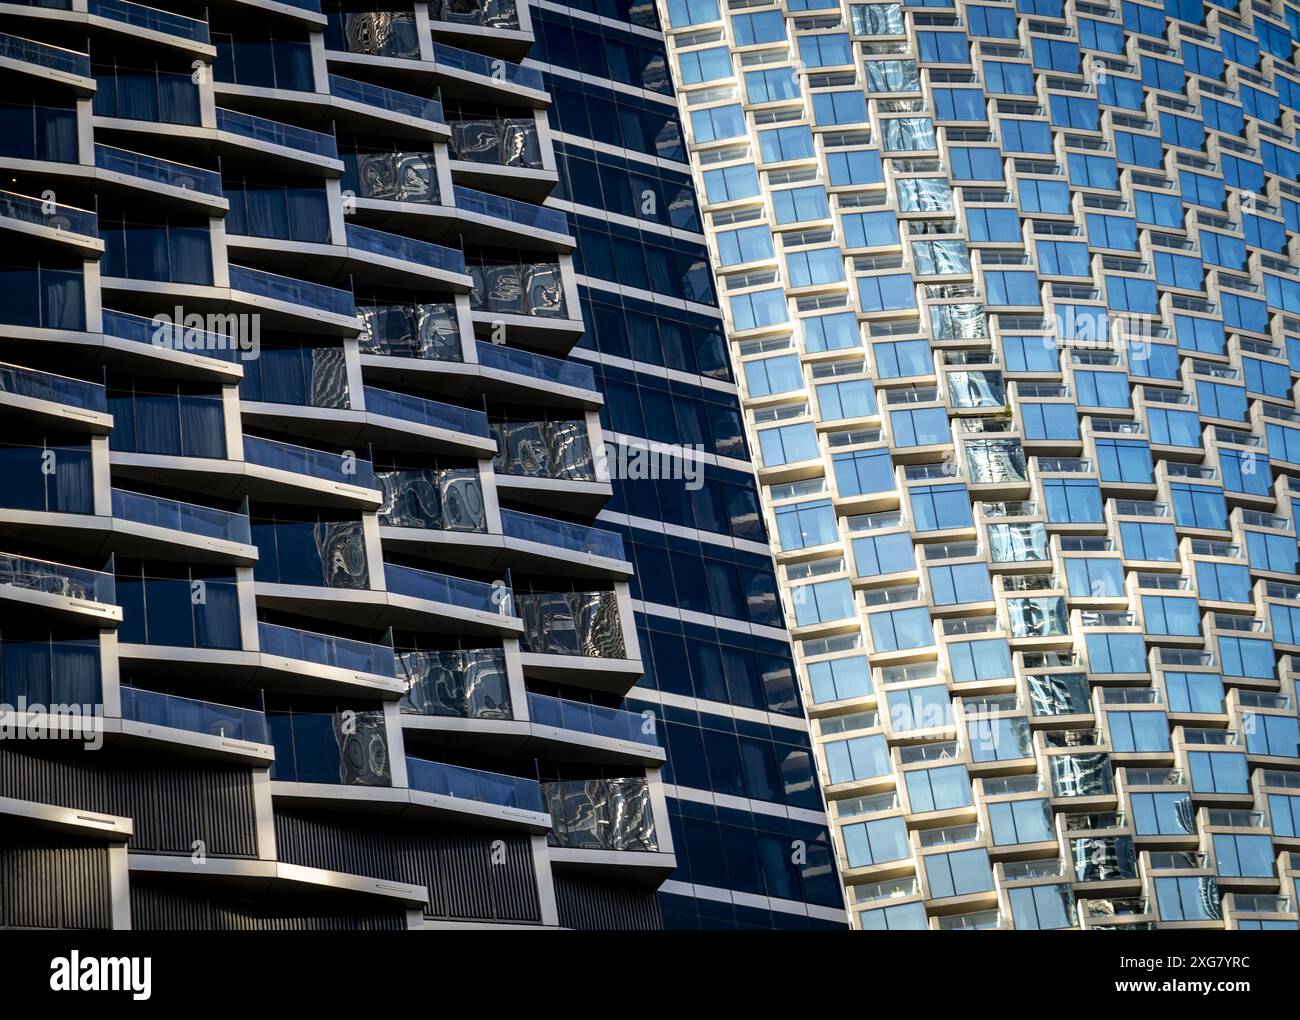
(748, 824)
(1013, 299)
(307, 618)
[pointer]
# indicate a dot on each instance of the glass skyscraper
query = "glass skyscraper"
(1012, 295)
(335, 590)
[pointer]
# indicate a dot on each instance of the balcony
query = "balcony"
(329, 749)
(423, 598)
(75, 592)
(560, 547)
(495, 26)
(576, 637)
(151, 525)
(373, 108)
(424, 332)
(285, 470)
(308, 661)
(604, 826)
(263, 140)
(476, 75)
(408, 421)
(464, 683)
(43, 61)
(294, 302)
(205, 354)
(493, 219)
(523, 290)
(530, 376)
(428, 265)
(158, 175)
(393, 35)
(448, 787)
(54, 400)
(486, 152)
(64, 225)
(148, 19)
(223, 728)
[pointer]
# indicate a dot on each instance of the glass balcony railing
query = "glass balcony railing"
(195, 716)
(177, 516)
(57, 579)
(601, 814)
(562, 534)
(27, 209)
(496, 141)
(326, 649)
(594, 719)
(544, 449)
(407, 249)
(157, 171)
(473, 784)
(138, 329)
(56, 58)
(302, 460)
(386, 99)
(139, 16)
(523, 214)
(440, 499)
(374, 33)
(58, 389)
(572, 623)
(481, 13)
(454, 591)
(534, 289)
(536, 366)
(405, 176)
(336, 748)
(461, 683)
(296, 292)
(488, 67)
(421, 411)
(427, 331)
(274, 133)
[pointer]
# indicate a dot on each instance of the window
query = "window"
(869, 230)
(777, 145)
(1094, 578)
(857, 758)
(867, 843)
(1189, 898)
(781, 374)
(763, 27)
(1021, 821)
(1132, 732)
(998, 739)
(771, 85)
(1239, 856)
(748, 244)
(1124, 460)
(692, 12)
(940, 507)
(824, 50)
(794, 205)
(1155, 542)
(1042, 907)
(901, 629)
(1218, 772)
(731, 183)
(967, 582)
(839, 679)
(787, 444)
(986, 659)
(838, 401)
(1165, 615)
(1116, 653)
(1194, 692)
(806, 524)
(863, 472)
(1223, 582)
(830, 332)
(886, 293)
(938, 789)
(822, 602)
(1162, 814)
(884, 554)
(1072, 501)
(919, 708)
(1248, 657)
(1275, 735)
(960, 873)
(761, 308)
(718, 123)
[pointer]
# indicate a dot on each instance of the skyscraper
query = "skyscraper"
(747, 818)
(308, 621)
(1012, 294)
